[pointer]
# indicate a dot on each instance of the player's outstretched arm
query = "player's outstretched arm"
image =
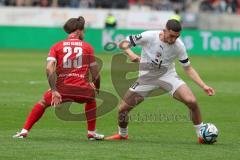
(51, 76)
(192, 73)
(125, 46)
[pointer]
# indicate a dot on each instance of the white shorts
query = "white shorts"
(168, 82)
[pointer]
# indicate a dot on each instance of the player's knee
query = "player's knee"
(132, 98)
(91, 103)
(191, 102)
(124, 107)
(42, 102)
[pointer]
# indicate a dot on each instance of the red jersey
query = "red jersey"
(74, 58)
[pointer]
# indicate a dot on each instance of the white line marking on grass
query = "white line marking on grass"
(18, 82)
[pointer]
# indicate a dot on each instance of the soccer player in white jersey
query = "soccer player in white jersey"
(157, 71)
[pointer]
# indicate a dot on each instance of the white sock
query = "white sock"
(122, 131)
(24, 131)
(91, 132)
(197, 127)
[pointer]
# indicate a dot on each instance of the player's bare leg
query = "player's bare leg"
(123, 111)
(130, 100)
(185, 95)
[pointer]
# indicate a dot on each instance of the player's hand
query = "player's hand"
(209, 90)
(56, 98)
(135, 58)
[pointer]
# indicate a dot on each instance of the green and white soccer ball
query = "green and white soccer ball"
(209, 133)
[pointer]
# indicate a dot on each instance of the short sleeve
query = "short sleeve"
(52, 55)
(139, 39)
(182, 54)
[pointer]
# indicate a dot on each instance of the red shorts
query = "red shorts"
(67, 98)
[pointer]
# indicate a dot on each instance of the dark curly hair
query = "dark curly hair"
(73, 24)
(174, 25)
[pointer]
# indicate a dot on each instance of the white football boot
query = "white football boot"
(20, 135)
(95, 136)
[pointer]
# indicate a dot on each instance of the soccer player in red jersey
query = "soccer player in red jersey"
(69, 64)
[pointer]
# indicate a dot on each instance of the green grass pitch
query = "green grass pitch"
(23, 81)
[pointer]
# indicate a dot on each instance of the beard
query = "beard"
(81, 37)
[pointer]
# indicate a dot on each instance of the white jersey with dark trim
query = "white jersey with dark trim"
(157, 52)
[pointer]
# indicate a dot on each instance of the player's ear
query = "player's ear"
(82, 31)
(78, 31)
(81, 34)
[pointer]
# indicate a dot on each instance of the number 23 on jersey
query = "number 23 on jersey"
(72, 63)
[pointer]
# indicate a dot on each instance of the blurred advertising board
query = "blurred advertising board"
(200, 42)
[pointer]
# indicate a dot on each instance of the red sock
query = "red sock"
(90, 111)
(34, 116)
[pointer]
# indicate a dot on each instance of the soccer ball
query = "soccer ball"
(209, 133)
